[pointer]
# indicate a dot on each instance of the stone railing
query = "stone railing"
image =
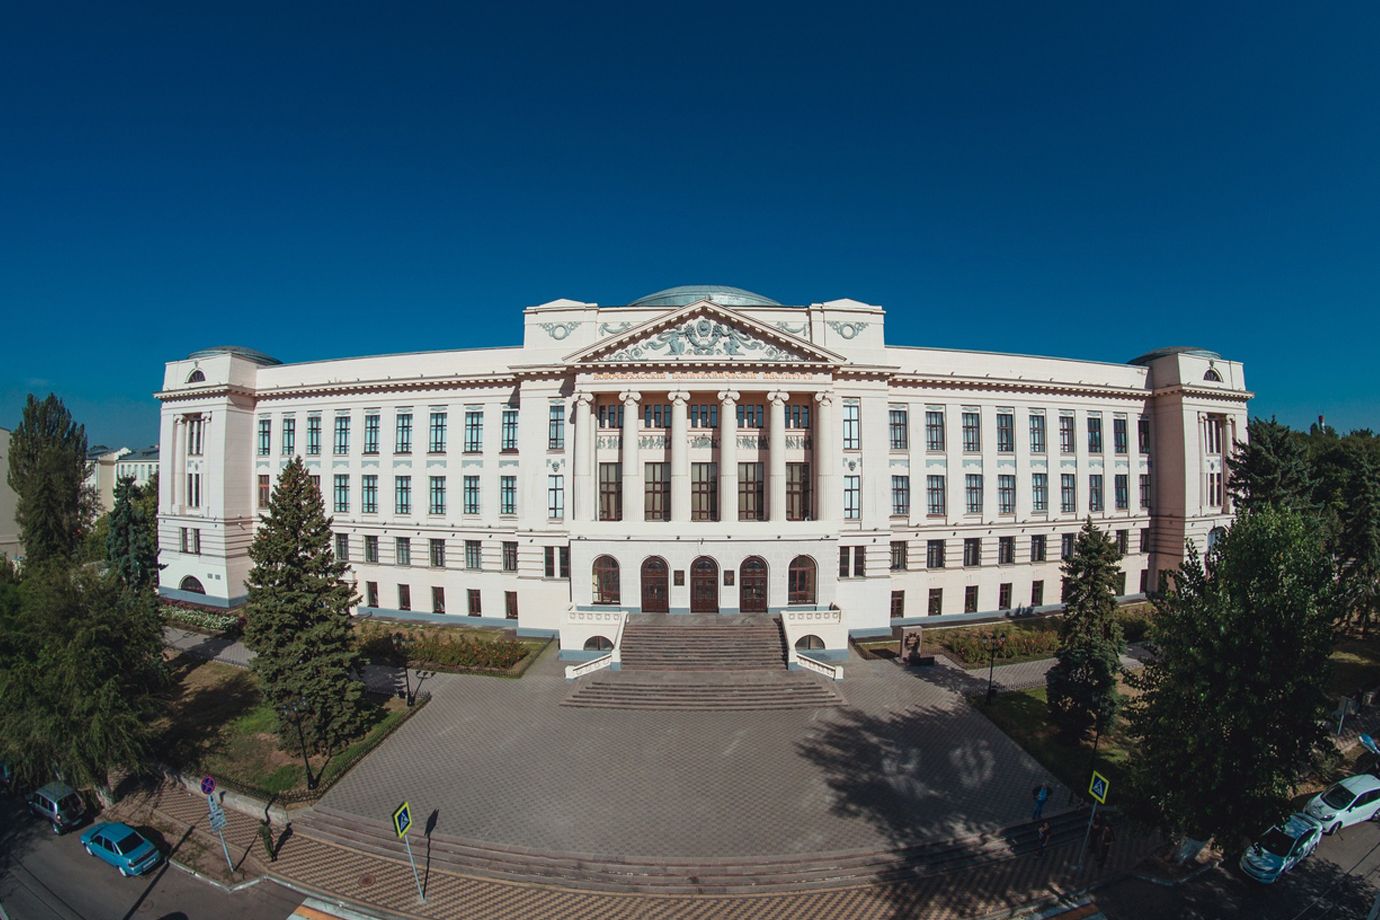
(831, 671)
(798, 623)
(619, 619)
(792, 618)
(573, 671)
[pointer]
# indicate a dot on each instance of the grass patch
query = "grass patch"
(1026, 640)
(1355, 664)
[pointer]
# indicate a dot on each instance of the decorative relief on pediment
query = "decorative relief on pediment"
(614, 328)
(790, 329)
(847, 330)
(559, 331)
(702, 338)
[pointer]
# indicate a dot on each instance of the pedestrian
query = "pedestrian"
(1045, 833)
(1041, 795)
(266, 835)
(1104, 844)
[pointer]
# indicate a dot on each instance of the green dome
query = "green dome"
(692, 293)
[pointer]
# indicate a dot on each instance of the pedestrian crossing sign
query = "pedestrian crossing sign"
(402, 819)
(1099, 787)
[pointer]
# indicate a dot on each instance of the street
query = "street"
(47, 877)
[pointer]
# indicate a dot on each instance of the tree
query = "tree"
(1081, 687)
(1270, 468)
(1358, 539)
(298, 617)
(48, 474)
(131, 546)
(1234, 702)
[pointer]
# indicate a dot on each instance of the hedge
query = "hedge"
(202, 620)
(435, 650)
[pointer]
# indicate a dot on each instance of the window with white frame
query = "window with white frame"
(852, 497)
(507, 495)
(1039, 491)
(1006, 432)
(508, 430)
(436, 503)
(972, 493)
(342, 435)
(555, 497)
(436, 436)
(900, 495)
(402, 494)
(852, 425)
(1006, 493)
(934, 494)
(402, 433)
(474, 431)
(1094, 491)
(471, 485)
(972, 431)
(1068, 493)
(369, 494)
(371, 433)
(342, 493)
(555, 427)
(934, 429)
(898, 420)
(1037, 433)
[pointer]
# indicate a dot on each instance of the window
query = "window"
(898, 604)
(510, 605)
(611, 415)
(402, 549)
(265, 436)
(371, 594)
(507, 495)
(934, 495)
(1145, 490)
(972, 493)
(265, 490)
(702, 415)
(658, 415)
(1068, 493)
(752, 500)
(371, 549)
(472, 601)
(470, 485)
(1094, 434)
(972, 551)
(509, 556)
(436, 441)
(1122, 486)
(1214, 490)
(402, 494)
(1066, 434)
(1039, 491)
(858, 555)
(474, 431)
(749, 416)
(1006, 433)
(972, 434)
(371, 433)
(508, 430)
(970, 599)
(1006, 493)
(289, 437)
(704, 492)
(897, 422)
(852, 497)
(800, 581)
(898, 555)
(1006, 551)
(437, 503)
(313, 435)
(1004, 596)
(1144, 580)
(900, 495)
(193, 490)
(369, 494)
(798, 416)
(610, 492)
(934, 429)
(438, 599)
(852, 436)
(936, 606)
(196, 376)
(438, 553)
(191, 542)
(934, 554)
(1037, 434)
(555, 497)
(797, 491)
(605, 585)
(1037, 548)
(1123, 541)
(342, 435)
(1037, 593)
(1066, 545)
(1119, 435)
(1095, 492)
(342, 547)
(1212, 434)
(342, 492)
(1143, 434)
(404, 597)
(555, 427)
(552, 554)
(474, 555)
(1145, 539)
(402, 433)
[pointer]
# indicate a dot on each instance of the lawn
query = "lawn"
(1355, 664)
(1026, 640)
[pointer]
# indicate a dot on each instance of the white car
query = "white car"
(1281, 848)
(1351, 801)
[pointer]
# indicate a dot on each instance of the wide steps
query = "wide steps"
(675, 647)
(613, 693)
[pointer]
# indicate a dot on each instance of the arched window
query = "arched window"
(1215, 536)
(606, 580)
(809, 643)
(191, 584)
(1212, 375)
(752, 585)
(196, 376)
(800, 581)
(598, 644)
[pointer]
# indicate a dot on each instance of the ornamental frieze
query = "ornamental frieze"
(702, 338)
(559, 331)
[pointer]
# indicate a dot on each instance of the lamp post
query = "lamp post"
(993, 642)
(295, 708)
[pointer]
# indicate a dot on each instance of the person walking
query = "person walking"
(1041, 795)
(1045, 835)
(1105, 839)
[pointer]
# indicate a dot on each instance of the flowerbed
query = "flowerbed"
(198, 619)
(1024, 642)
(441, 649)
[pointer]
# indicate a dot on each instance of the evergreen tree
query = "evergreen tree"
(48, 474)
(1358, 543)
(1081, 687)
(1270, 468)
(131, 539)
(298, 617)
(1234, 699)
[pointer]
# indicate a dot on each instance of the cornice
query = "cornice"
(202, 393)
(1188, 389)
(1036, 387)
(352, 388)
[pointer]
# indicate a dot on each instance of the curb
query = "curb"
(363, 908)
(1174, 883)
(210, 881)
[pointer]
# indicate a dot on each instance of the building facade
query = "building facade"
(138, 465)
(9, 504)
(701, 450)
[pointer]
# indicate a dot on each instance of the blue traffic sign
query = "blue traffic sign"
(1099, 787)
(402, 819)
(208, 785)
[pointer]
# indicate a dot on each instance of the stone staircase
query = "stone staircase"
(688, 692)
(659, 645)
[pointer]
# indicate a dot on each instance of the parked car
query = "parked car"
(59, 805)
(121, 846)
(1351, 801)
(1281, 848)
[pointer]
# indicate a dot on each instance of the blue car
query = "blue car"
(122, 847)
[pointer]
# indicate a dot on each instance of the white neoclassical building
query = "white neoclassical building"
(703, 449)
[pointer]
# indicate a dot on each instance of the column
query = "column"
(826, 487)
(680, 456)
(582, 492)
(632, 457)
(777, 450)
(728, 455)
(179, 462)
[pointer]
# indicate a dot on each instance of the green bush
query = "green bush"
(441, 650)
(1023, 643)
(199, 619)
(1135, 621)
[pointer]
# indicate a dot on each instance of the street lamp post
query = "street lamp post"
(295, 708)
(994, 642)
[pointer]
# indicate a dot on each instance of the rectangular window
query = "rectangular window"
(265, 436)
(610, 492)
(1144, 580)
(704, 491)
(342, 547)
(436, 439)
(1066, 545)
(656, 491)
(371, 549)
(972, 551)
(549, 562)
(369, 494)
(438, 599)
(752, 501)
(471, 494)
(194, 490)
(1123, 541)
(898, 604)
(1212, 434)
(402, 549)
(798, 416)
(371, 433)
(859, 557)
(195, 428)
(508, 430)
(1037, 593)
(1119, 443)
(749, 416)
(898, 420)
(898, 555)
(1095, 492)
(1004, 596)
(507, 495)
(611, 415)
(1068, 493)
(970, 599)
(342, 435)
(510, 607)
(934, 429)
(1006, 551)
(1006, 493)
(852, 497)
(1094, 435)
(437, 553)
(1214, 490)
(1145, 539)
(473, 599)
(1006, 433)
(1121, 484)
(313, 435)
(1037, 548)
(852, 424)
(936, 601)
(474, 555)
(1039, 491)
(1143, 434)
(342, 493)
(1037, 434)
(555, 427)
(557, 556)
(474, 431)
(797, 491)
(289, 437)
(934, 554)
(437, 502)
(934, 495)
(509, 556)
(402, 494)
(265, 490)
(900, 495)
(371, 594)
(555, 497)
(402, 433)
(191, 541)
(1066, 434)
(972, 493)
(1145, 490)
(404, 597)
(972, 432)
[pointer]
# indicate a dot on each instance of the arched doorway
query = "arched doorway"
(704, 586)
(655, 592)
(800, 581)
(752, 585)
(605, 586)
(192, 585)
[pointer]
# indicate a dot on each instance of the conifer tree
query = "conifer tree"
(298, 617)
(1358, 543)
(131, 545)
(47, 471)
(1271, 467)
(1081, 687)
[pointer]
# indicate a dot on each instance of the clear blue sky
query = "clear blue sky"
(1091, 180)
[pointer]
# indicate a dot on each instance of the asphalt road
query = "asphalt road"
(47, 877)
(1338, 882)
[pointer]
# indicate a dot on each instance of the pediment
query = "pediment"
(704, 332)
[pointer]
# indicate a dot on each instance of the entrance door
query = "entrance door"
(655, 597)
(752, 585)
(704, 586)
